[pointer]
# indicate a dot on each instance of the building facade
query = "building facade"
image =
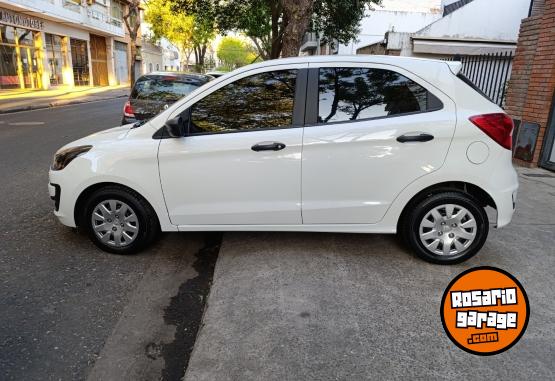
(52, 43)
(530, 98)
(464, 27)
(152, 55)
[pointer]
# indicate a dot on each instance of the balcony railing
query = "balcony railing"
(71, 5)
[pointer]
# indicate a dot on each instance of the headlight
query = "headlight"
(63, 157)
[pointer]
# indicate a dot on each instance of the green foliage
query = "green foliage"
(176, 27)
(264, 21)
(191, 28)
(234, 52)
(339, 19)
(253, 18)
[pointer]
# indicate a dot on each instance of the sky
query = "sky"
(409, 5)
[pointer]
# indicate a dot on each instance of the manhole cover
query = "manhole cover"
(539, 175)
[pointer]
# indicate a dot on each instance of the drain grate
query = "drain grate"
(539, 175)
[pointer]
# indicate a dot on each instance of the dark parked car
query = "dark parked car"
(156, 91)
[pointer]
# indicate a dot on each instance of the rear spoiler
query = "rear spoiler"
(454, 66)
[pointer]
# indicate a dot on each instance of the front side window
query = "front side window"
(260, 101)
(348, 94)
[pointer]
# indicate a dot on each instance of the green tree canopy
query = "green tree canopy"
(234, 52)
(276, 27)
(189, 30)
(176, 27)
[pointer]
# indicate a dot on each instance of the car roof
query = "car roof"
(405, 62)
(178, 74)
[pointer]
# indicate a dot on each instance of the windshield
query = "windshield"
(163, 89)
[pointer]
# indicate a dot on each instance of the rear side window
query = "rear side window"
(166, 89)
(348, 94)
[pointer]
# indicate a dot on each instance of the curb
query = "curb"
(57, 104)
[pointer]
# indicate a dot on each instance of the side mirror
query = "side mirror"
(176, 127)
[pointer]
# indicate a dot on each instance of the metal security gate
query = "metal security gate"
(120, 55)
(547, 156)
(489, 72)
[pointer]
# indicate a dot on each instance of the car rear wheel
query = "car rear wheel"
(446, 228)
(119, 220)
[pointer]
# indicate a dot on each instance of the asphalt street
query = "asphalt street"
(68, 310)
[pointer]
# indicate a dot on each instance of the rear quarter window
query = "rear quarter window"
(471, 84)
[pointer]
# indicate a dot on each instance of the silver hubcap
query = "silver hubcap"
(115, 223)
(448, 229)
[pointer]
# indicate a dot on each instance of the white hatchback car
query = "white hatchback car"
(357, 144)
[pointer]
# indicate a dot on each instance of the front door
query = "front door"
(241, 161)
(374, 131)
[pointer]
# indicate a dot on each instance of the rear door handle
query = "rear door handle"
(268, 146)
(415, 138)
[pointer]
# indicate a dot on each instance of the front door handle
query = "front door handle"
(268, 146)
(415, 138)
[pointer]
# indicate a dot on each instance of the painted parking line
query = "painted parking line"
(25, 123)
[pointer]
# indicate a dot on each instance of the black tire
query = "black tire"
(148, 225)
(416, 212)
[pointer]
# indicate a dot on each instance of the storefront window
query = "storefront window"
(7, 34)
(56, 59)
(8, 68)
(80, 61)
(18, 62)
(25, 37)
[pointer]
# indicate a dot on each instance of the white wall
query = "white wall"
(378, 22)
(411, 5)
(493, 20)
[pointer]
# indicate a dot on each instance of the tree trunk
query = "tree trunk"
(277, 34)
(187, 57)
(259, 47)
(297, 13)
(202, 55)
(133, 23)
(133, 47)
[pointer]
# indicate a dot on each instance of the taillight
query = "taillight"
(128, 110)
(497, 126)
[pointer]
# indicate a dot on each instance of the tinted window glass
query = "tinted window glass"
(167, 89)
(358, 93)
(260, 101)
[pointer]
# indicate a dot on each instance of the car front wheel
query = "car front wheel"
(119, 220)
(446, 228)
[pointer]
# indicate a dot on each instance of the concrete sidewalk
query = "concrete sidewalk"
(288, 306)
(23, 100)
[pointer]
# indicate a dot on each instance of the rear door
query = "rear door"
(371, 130)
